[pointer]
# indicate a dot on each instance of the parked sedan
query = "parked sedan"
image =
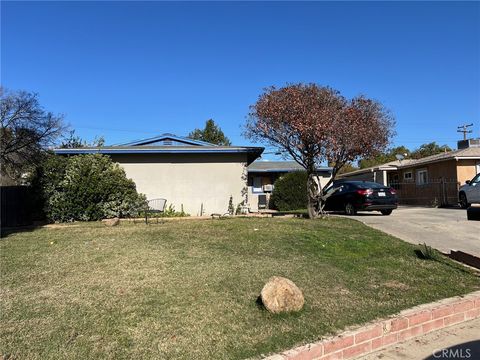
(353, 196)
(470, 192)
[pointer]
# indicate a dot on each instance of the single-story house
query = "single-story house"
(385, 174)
(194, 175)
(262, 176)
(427, 181)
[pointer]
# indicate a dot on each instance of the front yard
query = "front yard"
(187, 289)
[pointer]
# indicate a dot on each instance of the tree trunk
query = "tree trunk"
(312, 192)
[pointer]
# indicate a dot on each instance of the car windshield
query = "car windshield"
(476, 179)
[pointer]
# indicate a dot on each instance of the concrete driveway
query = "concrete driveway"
(443, 229)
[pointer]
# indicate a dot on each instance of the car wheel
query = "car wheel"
(350, 209)
(386, 212)
(463, 201)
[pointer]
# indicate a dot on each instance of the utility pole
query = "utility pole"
(463, 129)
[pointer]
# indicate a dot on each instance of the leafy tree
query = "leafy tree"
(26, 128)
(74, 141)
(211, 133)
(348, 167)
(384, 157)
(85, 187)
(429, 149)
(314, 125)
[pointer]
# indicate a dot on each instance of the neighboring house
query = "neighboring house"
(428, 181)
(262, 176)
(198, 176)
(385, 174)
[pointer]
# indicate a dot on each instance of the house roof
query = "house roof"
(392, 165)
(264, 166)
(168, 140)
(170, 144)
(468, 153)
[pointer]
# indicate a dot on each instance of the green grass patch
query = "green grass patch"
(187, 289)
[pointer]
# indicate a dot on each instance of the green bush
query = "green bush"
(168, 212)
(85, 187)
(290, 192)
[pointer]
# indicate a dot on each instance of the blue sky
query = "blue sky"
(130, 70)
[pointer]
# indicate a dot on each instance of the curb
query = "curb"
(379, 334)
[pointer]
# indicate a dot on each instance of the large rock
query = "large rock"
(111, 222)
(281, 295)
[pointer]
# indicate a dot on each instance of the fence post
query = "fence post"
(444, 195)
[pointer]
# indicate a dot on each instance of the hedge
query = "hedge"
(290, 192)
(85, 187)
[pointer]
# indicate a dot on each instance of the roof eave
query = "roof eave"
(252, 152)
(467, 158)
(418, 163)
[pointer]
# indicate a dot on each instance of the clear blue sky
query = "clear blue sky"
(130, 70)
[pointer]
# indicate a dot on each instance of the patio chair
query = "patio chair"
(155, 206)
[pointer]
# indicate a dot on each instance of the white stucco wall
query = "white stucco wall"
(191, 180)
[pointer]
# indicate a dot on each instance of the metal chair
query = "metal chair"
(155, 206)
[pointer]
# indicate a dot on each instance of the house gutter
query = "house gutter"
(467, 158)
(252, 152)
(154, 151)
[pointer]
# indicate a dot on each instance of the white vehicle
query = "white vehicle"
(470, 192)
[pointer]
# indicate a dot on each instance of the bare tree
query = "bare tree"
(25, 129)
(316, 125)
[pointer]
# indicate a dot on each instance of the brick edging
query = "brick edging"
(378, 334)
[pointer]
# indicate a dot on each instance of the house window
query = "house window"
(422, 177)
(257, 185)
(407, 176)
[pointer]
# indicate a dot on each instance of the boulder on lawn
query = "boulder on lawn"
(281, 295)
(111, 222)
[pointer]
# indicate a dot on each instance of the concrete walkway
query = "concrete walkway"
(460, 341)
(443, 229)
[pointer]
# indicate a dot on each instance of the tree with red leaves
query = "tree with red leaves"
(315, 125)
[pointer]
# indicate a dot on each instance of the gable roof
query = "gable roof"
(168, 140)
(166, 144)
(468, 153)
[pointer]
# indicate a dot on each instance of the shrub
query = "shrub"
(85, 187)
(426, 252)
(168, 212)
(290, 192)
(231, 209)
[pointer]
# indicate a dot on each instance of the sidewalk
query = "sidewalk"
(460, 341)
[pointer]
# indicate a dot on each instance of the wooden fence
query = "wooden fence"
(16, 206)
(437, 192)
